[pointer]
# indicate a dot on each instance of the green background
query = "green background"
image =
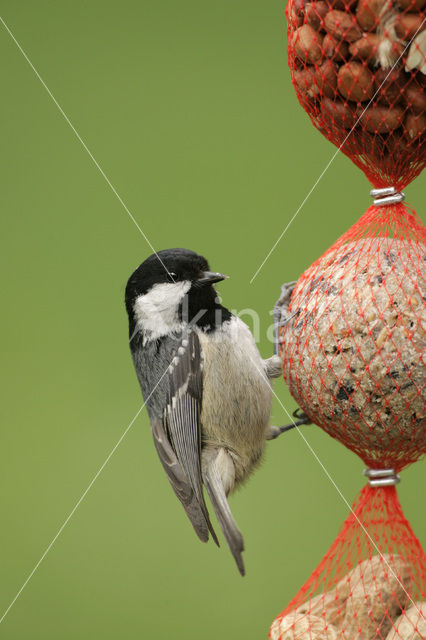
(189, 109)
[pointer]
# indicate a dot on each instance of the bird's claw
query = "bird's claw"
(281, 315)
(301, 416)
(274, 367)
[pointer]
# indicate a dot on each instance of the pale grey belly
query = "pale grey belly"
(236, 402)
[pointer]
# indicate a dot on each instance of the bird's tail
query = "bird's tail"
(215, 471)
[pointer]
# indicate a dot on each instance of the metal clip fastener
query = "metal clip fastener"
(388, 195)
(382, 477)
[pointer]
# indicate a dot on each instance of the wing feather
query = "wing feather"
(181, 416)
(179, 481)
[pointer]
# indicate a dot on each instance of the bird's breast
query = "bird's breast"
(237, 394)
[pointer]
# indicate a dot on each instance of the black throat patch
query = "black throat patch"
(202, 308)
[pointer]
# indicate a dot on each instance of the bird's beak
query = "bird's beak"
(210, 277)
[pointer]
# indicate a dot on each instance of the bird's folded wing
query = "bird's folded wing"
(179, 481)
(182, 429)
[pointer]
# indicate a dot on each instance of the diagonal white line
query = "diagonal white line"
(334, 156)
(80, 500)
(84, 145)
(68, 518)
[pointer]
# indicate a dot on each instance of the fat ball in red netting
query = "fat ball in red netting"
(354, 337)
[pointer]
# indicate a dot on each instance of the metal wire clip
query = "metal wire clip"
(382, 477)
(388, 195)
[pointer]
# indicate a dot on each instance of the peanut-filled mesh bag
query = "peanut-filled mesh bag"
(359, 68)
(370, 584)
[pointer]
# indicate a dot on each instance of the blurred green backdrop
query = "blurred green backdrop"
(189, 109)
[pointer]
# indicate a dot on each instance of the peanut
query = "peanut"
(315, 13)
(342, 26)
(389, 85)
(305, 82)
(368, 12)
(336, 49)
(326, 79)
(415, 97)
(298, 625)
(307, 44)
(338, 114)
(381, 119)
(411, 625)
(299, 6)
(415, 124)
(408, 24)
(294, 19)
(378, 593)
(330, 605)
(366, 47)
(355, 82)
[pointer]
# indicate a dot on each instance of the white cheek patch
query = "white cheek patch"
(156, 312)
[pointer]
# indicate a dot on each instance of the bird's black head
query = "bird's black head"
(172, 287)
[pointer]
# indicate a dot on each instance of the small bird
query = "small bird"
(205, 385)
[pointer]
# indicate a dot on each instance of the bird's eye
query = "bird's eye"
(172, 275)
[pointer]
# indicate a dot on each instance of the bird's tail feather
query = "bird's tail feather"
(214, 485)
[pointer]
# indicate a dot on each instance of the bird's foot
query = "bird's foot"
(281, 313)
(273, 367)
(302, 419)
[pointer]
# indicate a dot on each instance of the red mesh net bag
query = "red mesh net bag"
(353, 330)
(357, 592)
(353, 347)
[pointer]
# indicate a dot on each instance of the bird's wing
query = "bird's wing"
(178, 437)
(179, 481)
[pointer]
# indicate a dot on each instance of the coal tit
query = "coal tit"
(205, 385)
